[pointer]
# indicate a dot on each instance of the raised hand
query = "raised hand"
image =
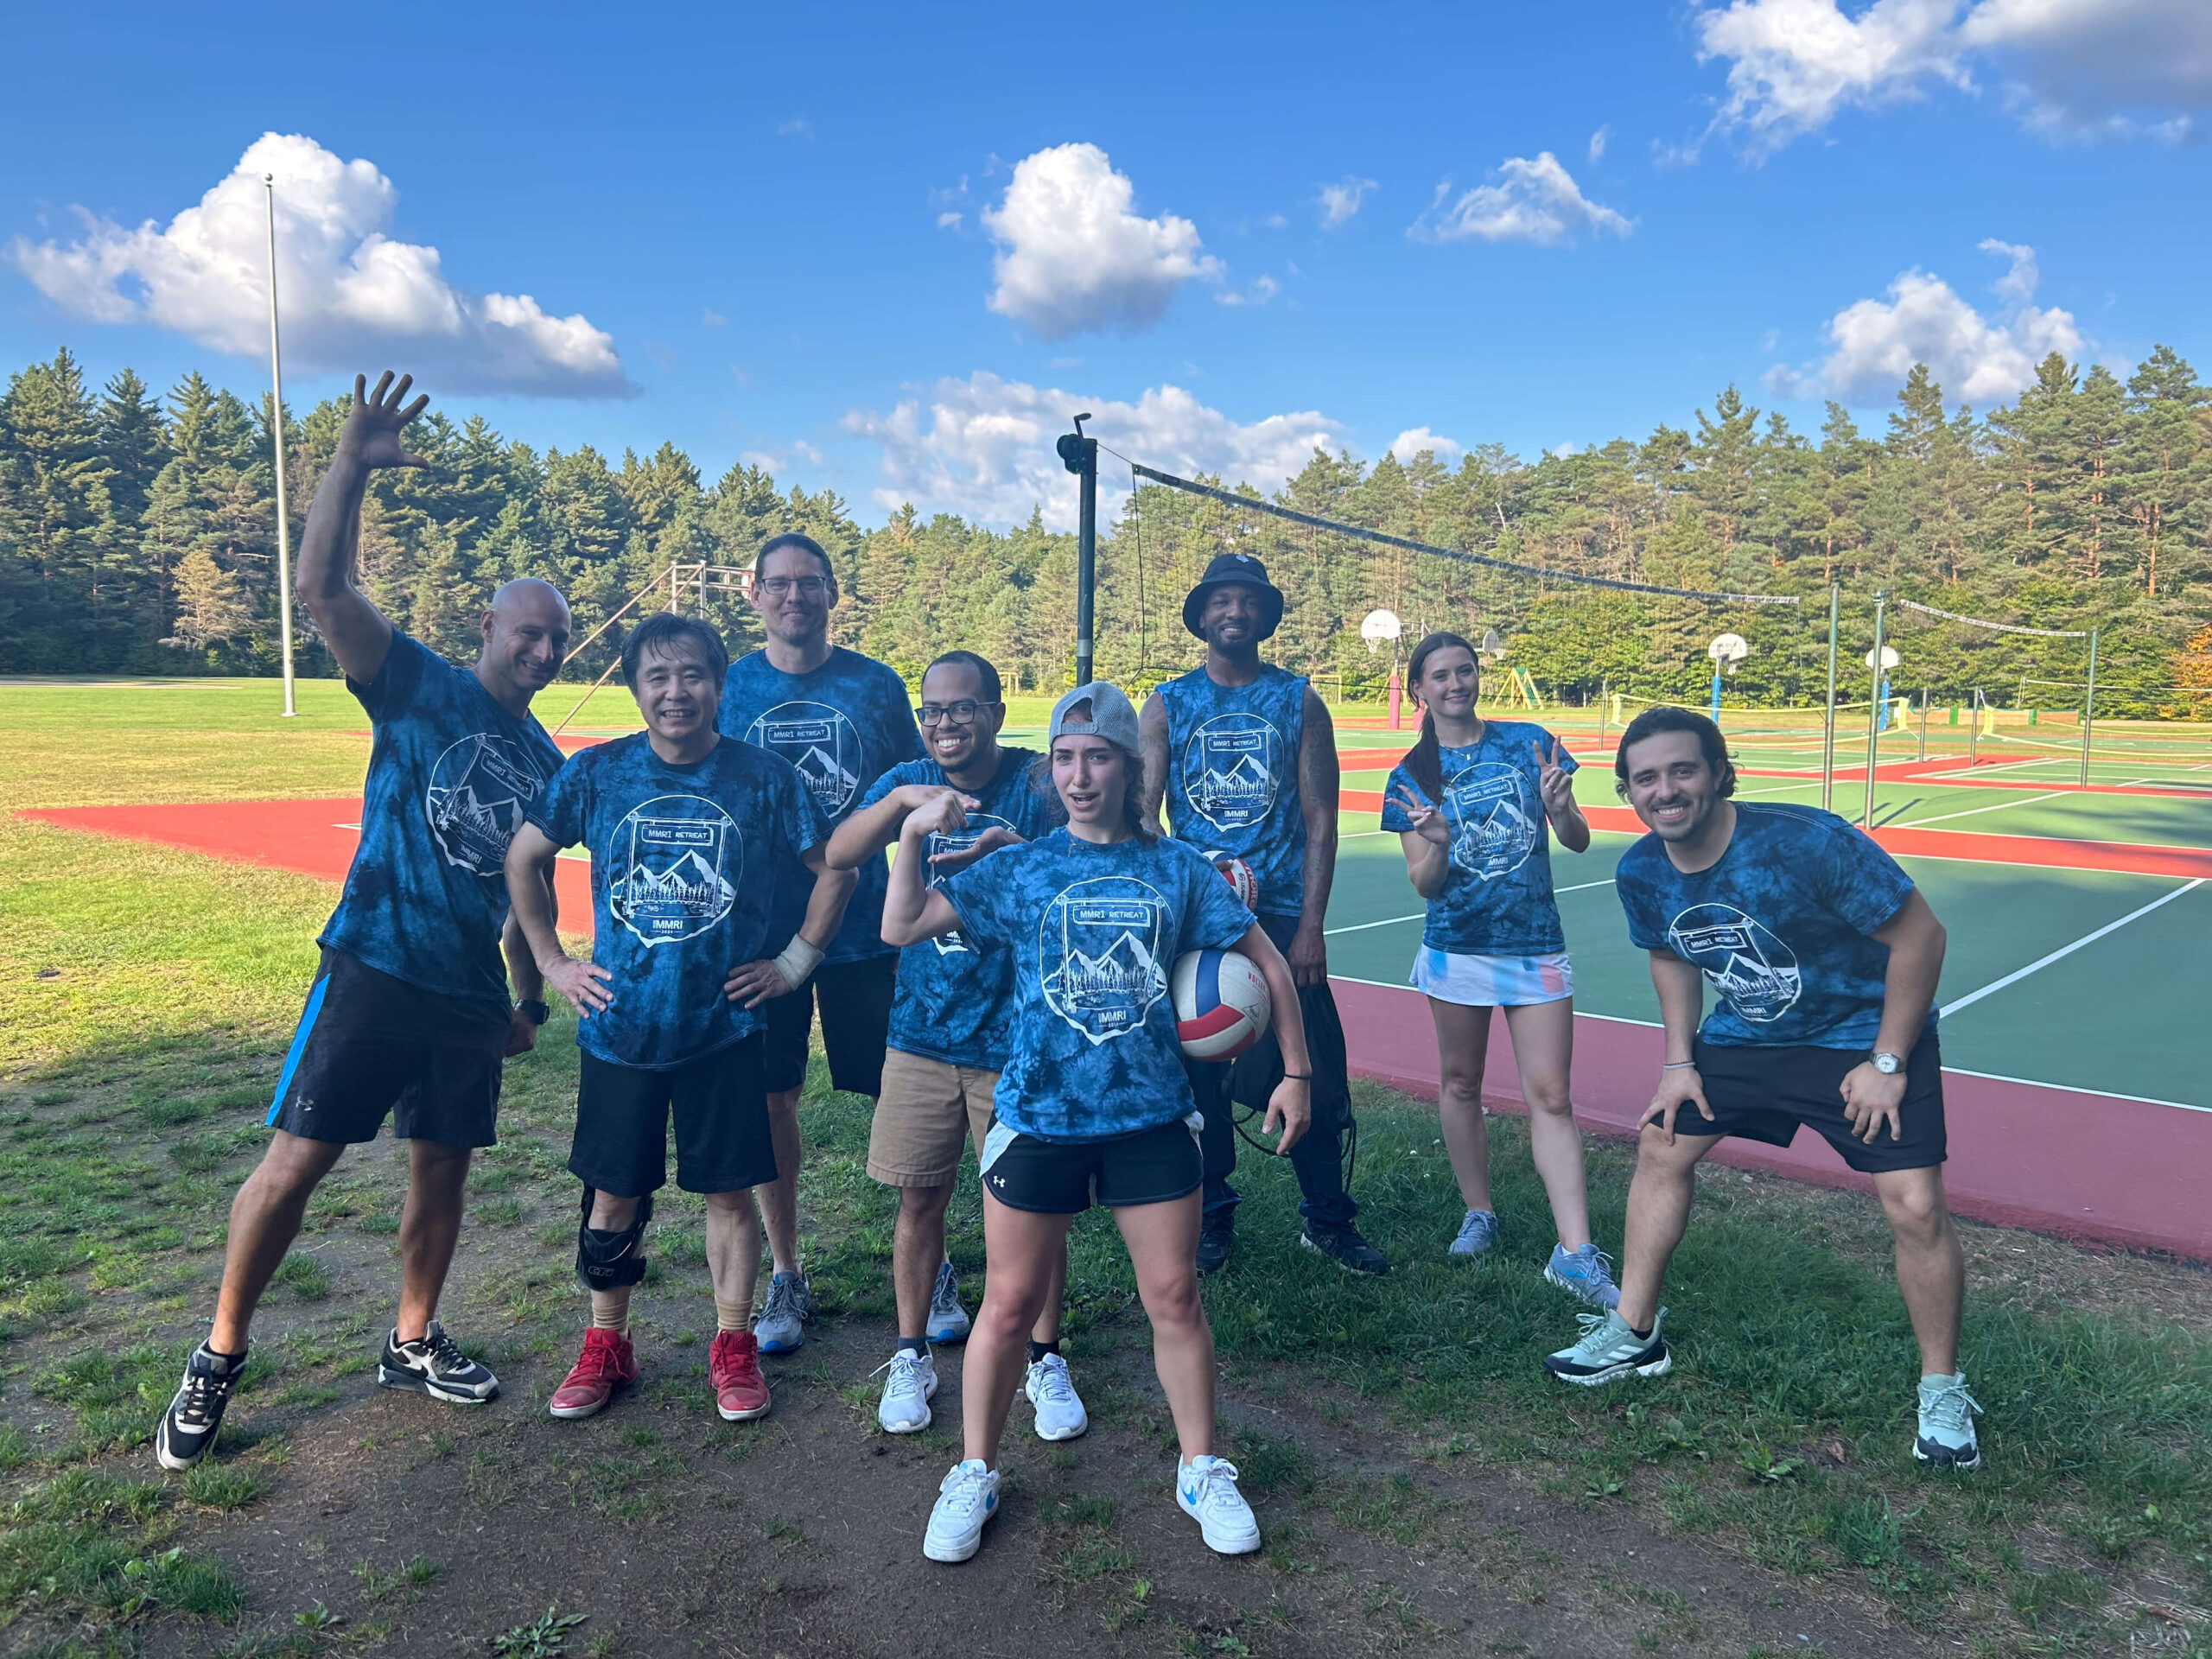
(1428, 822)
(1554, 782)
(957, 859)
(944, 812)
(372, 433)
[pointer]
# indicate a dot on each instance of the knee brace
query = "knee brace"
(611, 1260)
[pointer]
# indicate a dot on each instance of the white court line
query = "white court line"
(2018, 974)
(1389, 921)
(2025, 800)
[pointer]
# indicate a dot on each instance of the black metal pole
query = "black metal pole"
(1079, 456)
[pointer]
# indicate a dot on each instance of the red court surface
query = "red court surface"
(2084, 1166)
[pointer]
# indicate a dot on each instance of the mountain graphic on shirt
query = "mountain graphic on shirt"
(1100, 946)
(1248, 784)
(478, 791)
(1229, 769)
(678, 860)
(828, 782)
(1741, 957)
(460, 813)
(1127, 971)
(690, 882)
(1492, 832)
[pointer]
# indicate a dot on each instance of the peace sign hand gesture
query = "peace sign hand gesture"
(1428, 822)
(372, 433)
(1554, 782)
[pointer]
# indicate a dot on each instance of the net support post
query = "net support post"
(1828, 708)
(1874, 717)
(1079, 455)
(2089, 708)
(276, 437)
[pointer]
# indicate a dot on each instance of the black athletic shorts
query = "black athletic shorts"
(369, 1046)
(720, 1106)
(1766, 1094)
(856, 1001)
(1065, 1178)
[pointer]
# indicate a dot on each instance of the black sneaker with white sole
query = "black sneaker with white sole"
(188, 1426)
(1341, 1243)
(434, 1365)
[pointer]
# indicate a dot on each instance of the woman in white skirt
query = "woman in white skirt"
(1475, 803)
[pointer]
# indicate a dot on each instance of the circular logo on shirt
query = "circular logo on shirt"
(1745, 963)
(821, 743)
(479, 788)
(1098, 954)
(1492, 831)
(1232, 770)
(678, 859)
(954, 842)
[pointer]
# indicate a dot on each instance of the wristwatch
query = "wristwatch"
(534, 1011)
(1888, 1065)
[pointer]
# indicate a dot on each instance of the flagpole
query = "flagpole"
(276, 432)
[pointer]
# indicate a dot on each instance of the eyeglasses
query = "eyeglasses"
(961, 713)
(778, 587)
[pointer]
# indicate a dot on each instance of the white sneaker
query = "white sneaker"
(1206, 1488)
(965, 1499)
(905, 1408)
(1061, 1415)
(948, 1320)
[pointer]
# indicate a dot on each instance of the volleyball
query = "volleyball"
(1238, 875)
(1222, 1006)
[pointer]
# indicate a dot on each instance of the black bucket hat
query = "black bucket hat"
(1229, 568)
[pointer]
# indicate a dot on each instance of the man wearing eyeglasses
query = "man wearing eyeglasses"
(843, 721)
(948, 1030)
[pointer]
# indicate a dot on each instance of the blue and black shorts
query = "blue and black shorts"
(370, 1045)
(1766, 1093)
(1065, 1178)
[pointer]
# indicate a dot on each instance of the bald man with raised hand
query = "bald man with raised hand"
(409, 1015)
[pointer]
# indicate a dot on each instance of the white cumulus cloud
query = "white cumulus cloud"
(1340, 201)
(2072, 68)
(1977, 358)
(350, 297)
(1413, 440)
(1073, 253)
(982, 446)
(1263, 288)
(1533, 201)
(1599, 140)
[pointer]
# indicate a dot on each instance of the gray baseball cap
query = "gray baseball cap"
(1096, 710)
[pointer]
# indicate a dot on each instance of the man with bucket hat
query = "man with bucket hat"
(1245, 758)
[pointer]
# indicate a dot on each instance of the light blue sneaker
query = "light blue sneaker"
(1946, 1413)
(1610, 1349)
(948, 1320)
(1588, 1273)
(965, 1500)
(781, 1328)
(1477, 1234)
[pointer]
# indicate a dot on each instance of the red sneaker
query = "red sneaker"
(608, 1363)
(733, 1371)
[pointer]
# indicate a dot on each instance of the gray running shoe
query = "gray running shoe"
(948, 1320)
(1946, 1413)
(781, 1328)
(1477, 1233)
(1587, 1272)
(1610, 1349)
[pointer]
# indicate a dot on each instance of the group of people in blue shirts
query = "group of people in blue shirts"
(1003, 982)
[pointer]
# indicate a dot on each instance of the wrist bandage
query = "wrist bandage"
(797, 961)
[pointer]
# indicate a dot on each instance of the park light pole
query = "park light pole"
(276, 435)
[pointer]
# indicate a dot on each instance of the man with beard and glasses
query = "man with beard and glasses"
(1826, 958)
(950, 1027)
(1246, 759)
(843, 721)
(407, 1016)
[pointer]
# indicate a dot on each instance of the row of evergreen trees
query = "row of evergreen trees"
(137, 536)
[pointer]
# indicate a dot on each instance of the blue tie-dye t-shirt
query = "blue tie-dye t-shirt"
(451, 777)
(1498, 899)
(1232, 776)
(686, 861)
(953, 1001)
(1094, 932)
(843, 727)
(1781, 927)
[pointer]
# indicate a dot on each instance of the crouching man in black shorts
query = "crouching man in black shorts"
(408, 1015)
(1826, 958)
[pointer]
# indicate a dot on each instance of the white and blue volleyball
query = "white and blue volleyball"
(1222, 1006)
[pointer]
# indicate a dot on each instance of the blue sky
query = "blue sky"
(739, 230)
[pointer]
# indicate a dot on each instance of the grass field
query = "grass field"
(1424, 1488)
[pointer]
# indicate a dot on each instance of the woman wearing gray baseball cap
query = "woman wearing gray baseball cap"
(1093, 1106)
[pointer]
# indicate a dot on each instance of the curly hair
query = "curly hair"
(1665, 717)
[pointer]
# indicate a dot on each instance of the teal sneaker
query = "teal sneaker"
(1609, 1349)
(1946, 1413)
(1477, 1234)
(1587, 1273)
